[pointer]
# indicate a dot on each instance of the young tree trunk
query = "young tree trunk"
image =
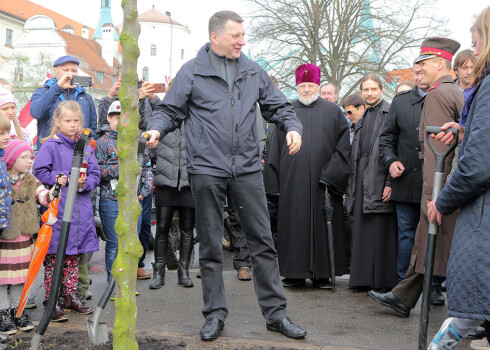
(129, 247)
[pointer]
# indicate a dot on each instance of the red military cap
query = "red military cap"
(308, 73)
(438, 47)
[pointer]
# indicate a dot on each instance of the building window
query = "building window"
(106, 3)
(8, 37)
(100, 77)
(182, 54)
(145, 73)
(18, 74)
(153, 51)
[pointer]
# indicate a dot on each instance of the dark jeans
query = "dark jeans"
(108, 211)
(144, 226)
(237, 237)
(247, 193)
(408, 216)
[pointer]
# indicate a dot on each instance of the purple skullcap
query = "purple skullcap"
(308, 73)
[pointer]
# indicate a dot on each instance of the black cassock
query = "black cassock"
(324, 158)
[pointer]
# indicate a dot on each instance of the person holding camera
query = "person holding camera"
(60, 88)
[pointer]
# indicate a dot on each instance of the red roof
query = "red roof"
(156, 16)
(404, 75)
(24, 9)
(89, 53)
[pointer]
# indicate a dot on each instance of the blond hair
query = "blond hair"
(58, 113)
(4, 123)
(482, 26)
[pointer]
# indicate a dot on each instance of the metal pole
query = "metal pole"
(171, 40)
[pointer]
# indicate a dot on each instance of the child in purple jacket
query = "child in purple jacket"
(55, 156)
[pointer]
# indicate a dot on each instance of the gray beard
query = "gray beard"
(310, 101)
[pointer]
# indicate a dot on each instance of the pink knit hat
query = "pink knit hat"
(6, 97)
(308, 73)
(14, 149)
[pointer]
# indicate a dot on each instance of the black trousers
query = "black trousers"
(247, 193)
(237, 237)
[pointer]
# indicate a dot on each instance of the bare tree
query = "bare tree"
(345, 38)
(129, 246)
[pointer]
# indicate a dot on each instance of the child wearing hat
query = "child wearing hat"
(16, 241)
(8, 106)
(106, 153)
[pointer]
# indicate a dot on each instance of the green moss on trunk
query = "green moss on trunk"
(129, 247)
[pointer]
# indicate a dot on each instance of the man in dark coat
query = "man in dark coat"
(374, 236)
(443, 103)
(217, 93)
(399, 148)
(300, 181)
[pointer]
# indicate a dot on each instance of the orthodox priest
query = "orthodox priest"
(300, 181)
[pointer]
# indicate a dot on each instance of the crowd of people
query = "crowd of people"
(227, 149)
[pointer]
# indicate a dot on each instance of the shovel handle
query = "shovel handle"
(57, 187)
(440, 157)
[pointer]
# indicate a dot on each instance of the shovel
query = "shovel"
(97, 331)
(430, 248)
(76, 164)
(328, 207)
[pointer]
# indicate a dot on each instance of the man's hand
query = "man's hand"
(432, 212)
(154, 137)
(386, 194)
(293, 140)
(114, 91)
(448, 138)
(396, 169)
(65, 81)
(145, 90)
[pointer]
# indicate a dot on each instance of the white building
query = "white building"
(164, 46)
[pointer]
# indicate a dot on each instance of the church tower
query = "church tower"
(105, 18)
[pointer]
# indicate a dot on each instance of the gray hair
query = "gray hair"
(336, 89)
(218, 21)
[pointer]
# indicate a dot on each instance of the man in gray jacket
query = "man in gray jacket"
(217, 94)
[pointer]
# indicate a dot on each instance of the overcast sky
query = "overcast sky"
(195, 13)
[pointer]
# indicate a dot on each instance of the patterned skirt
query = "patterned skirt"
(15, 256)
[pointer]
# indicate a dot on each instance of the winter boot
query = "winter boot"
(446, 338)
(185, 249)
(161, 246)
(72, 303)
(23, 322)
(58, 314)
(7, 324)
(158, 279)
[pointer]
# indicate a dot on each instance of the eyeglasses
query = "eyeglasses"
(351, 112)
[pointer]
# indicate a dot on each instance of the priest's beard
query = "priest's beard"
(308, 101)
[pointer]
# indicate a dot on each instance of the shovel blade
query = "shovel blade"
(97, 332)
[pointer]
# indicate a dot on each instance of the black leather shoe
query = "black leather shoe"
(287, 328)
(211, 329)
(436, 297)
(290, 282)
(389, 300)
(322, 283)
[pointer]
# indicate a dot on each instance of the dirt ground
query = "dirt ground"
(77, 339)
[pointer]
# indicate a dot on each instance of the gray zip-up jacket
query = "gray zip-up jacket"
(221, 135)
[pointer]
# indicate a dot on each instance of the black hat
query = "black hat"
(438, 47)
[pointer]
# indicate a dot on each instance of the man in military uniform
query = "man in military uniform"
(443, 103)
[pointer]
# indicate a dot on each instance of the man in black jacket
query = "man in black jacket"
(217, 95)
(399, 148)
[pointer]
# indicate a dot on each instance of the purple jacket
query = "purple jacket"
(55, 156)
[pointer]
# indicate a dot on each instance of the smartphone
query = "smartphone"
(81, 81)
(159, 88)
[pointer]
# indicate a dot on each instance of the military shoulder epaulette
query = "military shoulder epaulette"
(434, 86)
